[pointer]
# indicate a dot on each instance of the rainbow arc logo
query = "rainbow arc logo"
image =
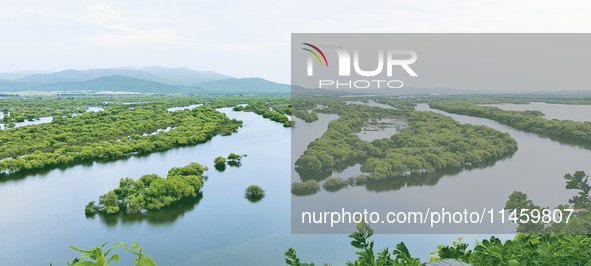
(315, 54)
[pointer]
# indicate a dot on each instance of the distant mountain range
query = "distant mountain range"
(300, 91)
(153, 79)
(158, 79)
(20, 74)
(244, 85)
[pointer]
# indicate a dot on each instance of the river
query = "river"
(43, 212)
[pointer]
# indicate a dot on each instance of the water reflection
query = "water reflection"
(304, 193)
(254, 198)
(384, 127)
(306, 175)
(22, 174)
(190, 107)
(370, 103)
(220, 167)
(426, 179)
(388, 184)
(234, 163)
(164, 216)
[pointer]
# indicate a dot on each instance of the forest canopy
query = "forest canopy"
(150, 192)
(433, 141)
(113, 133)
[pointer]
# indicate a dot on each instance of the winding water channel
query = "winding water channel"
(43, 212)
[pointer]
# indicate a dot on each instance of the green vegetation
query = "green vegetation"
(509, 98)
(234, 157)
(524, 249)
(543, 219)
(432, 141)
(523, 120)
(219, 160)
(273, 115)
(142, 259)
(366, 254)
(360, 180)
(289, 124)
(96, 254)
(150, 192)
(99, 259)
(276, 111)
(112, 133)
(309, 187)
(254, 193)
(32, 108)
(304, 115)
(333, 184)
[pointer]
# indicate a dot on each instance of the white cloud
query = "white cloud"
(113, 20)
(238, 47)
(105, 16)
(134, 37)
(209, 34)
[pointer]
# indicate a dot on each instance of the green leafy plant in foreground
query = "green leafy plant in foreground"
(99, 259)
(367, 256)
(293, 260)
(96, 255)
(142, 259)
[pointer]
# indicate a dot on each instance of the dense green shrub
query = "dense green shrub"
(150, 192)
(305, 188)
(433, 141)
(524, 249)
(254, 193)
(219, 160)
(108, 134)
(304, 115)
(234, 157)
(289, 124)
(333, 184)
(530, 121)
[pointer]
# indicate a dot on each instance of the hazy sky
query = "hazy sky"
(240, 38)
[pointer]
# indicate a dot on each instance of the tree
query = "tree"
(254, 193)
(151, 192)
(219, 160)
(234, 157)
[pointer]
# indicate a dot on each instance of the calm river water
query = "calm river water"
(42, 213)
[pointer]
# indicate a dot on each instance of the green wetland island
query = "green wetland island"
(205, 179)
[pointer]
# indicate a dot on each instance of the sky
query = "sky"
(240, 38)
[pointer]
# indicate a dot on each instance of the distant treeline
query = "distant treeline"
(515, 99)
(277, 111)
(522, 120)
(18, 109)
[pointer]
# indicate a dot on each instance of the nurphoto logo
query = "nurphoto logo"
(391, 60)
